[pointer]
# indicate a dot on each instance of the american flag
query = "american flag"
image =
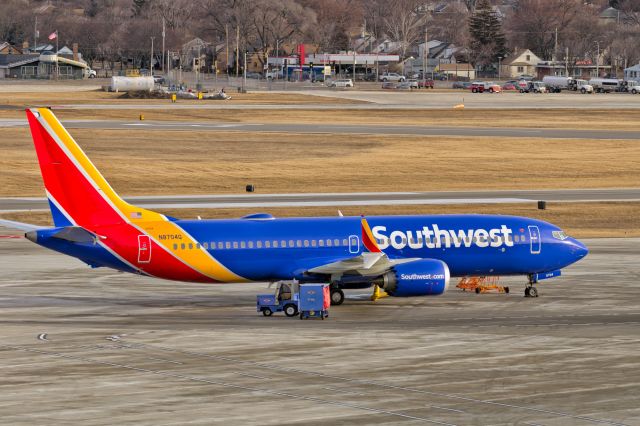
(53, 35)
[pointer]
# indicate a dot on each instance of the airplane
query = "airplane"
(402, 255)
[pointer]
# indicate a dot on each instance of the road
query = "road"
(352, 199)
(379, 129)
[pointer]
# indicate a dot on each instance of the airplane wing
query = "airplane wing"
(370, 262)
(365, 264)
(19, 225)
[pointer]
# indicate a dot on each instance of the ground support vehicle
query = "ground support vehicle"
(314, 301)
(477, 87)
(605, 85)
(534, 87)
(481, 285)
(284, 299)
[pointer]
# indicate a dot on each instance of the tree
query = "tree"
(404, 24)
(487, 40)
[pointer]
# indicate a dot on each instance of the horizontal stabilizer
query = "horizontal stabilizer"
(19, 225)
(76, 234)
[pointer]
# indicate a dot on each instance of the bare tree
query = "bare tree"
(404, 24)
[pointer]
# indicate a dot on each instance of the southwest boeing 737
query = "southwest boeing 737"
(404, 255)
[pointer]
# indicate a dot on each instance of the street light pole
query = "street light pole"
(499, 67)
(598, 60)
(151, 58)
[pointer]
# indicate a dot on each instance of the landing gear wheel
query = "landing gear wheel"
(527, 292)
(533, 292)
(267, 312)
(477, 290)
(506, 290)
(291, 310)
(337, 297)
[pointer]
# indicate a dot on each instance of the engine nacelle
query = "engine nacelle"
(426, 277)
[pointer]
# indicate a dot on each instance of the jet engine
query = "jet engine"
(426, 277)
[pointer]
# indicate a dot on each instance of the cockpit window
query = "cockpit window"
(559, 235)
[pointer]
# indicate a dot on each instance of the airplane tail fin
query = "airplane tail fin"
(78, 194)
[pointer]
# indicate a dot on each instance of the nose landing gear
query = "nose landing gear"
(530, 290)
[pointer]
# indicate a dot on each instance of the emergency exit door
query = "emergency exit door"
(144, 249)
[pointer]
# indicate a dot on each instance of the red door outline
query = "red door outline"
(144, 249)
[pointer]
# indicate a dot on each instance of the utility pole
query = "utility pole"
(555, 48)
(237, 50)
(566, 63)
(35, 34)
(226, 40)
(426, 58)
(244, 73)
(163, 37)
(151, 58)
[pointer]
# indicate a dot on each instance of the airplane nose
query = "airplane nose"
(579, 249)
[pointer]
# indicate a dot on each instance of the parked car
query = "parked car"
(371, 76)
(404, 85)
(633, 87)
(343, 82)
(460, 85)
(413, 83)
(89, 73)
(491, 87)
(388, 85)
(477, 87)
(509, 86)
(425, 84)
(158, 79)
(392, 76)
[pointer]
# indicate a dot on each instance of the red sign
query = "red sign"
(301, 54)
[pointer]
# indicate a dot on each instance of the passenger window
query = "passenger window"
(283, 244)
(220, 245)
(250, 244)
(344, 242)
(175, 246)
(306, 243)
(259, 244)
(313, 243)
(182, 246)
(227, 245)
(329, 243)
(275, 244)
(336, 242)
(321, 243)
(267, 244)
(198, 246)
(516, 238)
(291, 243)
(206, 246)
(298, 243)
(235, 244)
(190, 246)
(243, 244)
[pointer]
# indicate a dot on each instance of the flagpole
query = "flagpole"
(57, 56)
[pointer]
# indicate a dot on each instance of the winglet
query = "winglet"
(367, 237)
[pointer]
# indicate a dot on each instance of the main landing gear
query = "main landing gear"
(530, 290)
(337, 295)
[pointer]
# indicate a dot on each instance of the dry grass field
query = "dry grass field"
(581, 220)
(151, 162)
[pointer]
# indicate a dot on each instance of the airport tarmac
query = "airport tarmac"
(15, 204)
(340, 129)
(95, 347)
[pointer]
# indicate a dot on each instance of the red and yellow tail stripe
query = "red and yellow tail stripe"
(367, 237)
(76, 186)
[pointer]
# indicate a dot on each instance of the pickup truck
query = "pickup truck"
(392, 76)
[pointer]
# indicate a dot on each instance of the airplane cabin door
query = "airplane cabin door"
(534, 237)
(144, 249)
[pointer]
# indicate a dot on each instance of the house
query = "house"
(522, 62)
(457, 70)
(632, 73)
(32, 66)
(7, 49)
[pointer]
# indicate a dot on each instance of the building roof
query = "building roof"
(513, 59)
(610, 13)
(11, 61)
(636, 67)
(456, 67)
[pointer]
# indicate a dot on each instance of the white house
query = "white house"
(522, 62)
(632, 73)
